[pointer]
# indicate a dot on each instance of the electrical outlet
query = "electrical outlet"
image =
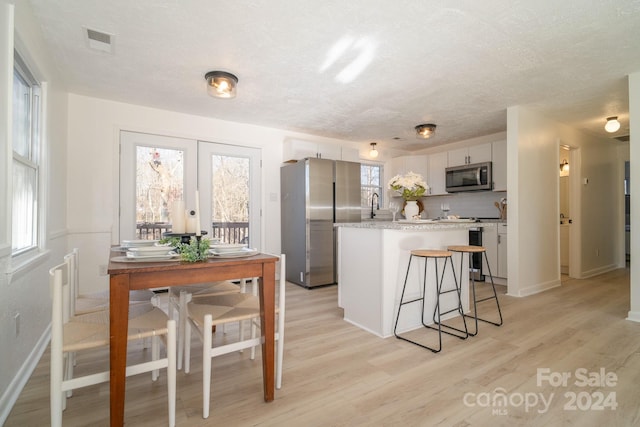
(16, 320)
(102, 270)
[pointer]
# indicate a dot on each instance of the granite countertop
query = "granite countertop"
(414, 225)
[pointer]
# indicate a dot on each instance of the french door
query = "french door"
(156, 171)
(230, 177)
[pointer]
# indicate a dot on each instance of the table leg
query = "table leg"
(267, 320)
(118, 326)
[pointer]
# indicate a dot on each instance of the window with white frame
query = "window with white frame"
(26, 158)
(370, 183)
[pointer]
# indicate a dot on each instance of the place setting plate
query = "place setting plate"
(137, 243)
(220, 248)
(126, 245)
(235, 253)
(149, 251)
(147, 258)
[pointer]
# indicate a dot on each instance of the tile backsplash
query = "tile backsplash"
(479, 204)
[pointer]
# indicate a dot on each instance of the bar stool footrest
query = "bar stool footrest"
(443, 325)
(484, 320)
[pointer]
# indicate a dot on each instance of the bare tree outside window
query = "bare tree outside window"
(230, 201)
(370, 182)
(159, 182)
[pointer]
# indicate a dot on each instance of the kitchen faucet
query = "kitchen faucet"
(377, 205)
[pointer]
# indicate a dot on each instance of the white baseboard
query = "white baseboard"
(633, 316)
(598, 271)
(11, 394)
(535, 289)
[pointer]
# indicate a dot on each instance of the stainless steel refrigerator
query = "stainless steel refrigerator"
(315, 194)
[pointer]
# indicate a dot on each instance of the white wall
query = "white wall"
(634, 155)
(94, 127)
(25, 289)
(533, 176)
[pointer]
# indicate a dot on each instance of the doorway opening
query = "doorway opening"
(565, 210)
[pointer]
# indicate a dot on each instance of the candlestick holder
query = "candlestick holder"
(185, 237)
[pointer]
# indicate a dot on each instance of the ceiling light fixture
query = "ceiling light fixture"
(373, 153)
(612, 124)
(221, 84)
(425, 131)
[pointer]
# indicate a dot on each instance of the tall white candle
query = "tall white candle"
(198, 225)
(191, 222)
(177, 217)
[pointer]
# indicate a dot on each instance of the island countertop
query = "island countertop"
(422, 224)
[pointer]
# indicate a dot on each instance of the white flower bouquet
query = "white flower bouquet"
(410, 186)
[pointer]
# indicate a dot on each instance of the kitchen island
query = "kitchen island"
(372, 263)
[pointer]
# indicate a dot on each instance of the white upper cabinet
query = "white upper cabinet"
(469, 155)
(499, 165)
(296, 149)
(436, 177)
(350, 154)
(404, 164)
(418, 164)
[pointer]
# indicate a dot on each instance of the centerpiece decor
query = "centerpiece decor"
(196, 250)
(411, 187)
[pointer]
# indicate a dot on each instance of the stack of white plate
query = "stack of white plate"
(230, 250)
(151, 252)
(137, 243)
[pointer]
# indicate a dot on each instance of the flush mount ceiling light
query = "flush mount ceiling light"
(221, 84)
(612, 124)
(373, 153)
(425, 131)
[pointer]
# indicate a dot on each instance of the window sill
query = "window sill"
(22, 264)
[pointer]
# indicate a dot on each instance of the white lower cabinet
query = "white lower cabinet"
(502, 251)
(494, 239)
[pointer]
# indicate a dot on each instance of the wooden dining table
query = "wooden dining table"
(128, 276)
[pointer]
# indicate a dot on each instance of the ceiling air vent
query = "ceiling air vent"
(99, 40)
(624, 138)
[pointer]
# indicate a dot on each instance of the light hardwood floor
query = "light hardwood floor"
(338, 375)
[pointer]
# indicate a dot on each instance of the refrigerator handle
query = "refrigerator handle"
(334, 202)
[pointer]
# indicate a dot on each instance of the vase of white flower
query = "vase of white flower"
(411, 187)
(411, 210)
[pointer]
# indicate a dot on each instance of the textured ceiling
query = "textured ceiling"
(360, 70)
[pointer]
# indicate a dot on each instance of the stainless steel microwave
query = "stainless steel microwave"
(473, 177)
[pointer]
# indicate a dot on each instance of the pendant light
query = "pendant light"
(373, 153)
(612, 124)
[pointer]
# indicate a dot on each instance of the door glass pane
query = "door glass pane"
(230, 198)
(159, 182)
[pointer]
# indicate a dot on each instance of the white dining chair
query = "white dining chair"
(205, 313)
(70, 334)
(94, 301)
(180, 296)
